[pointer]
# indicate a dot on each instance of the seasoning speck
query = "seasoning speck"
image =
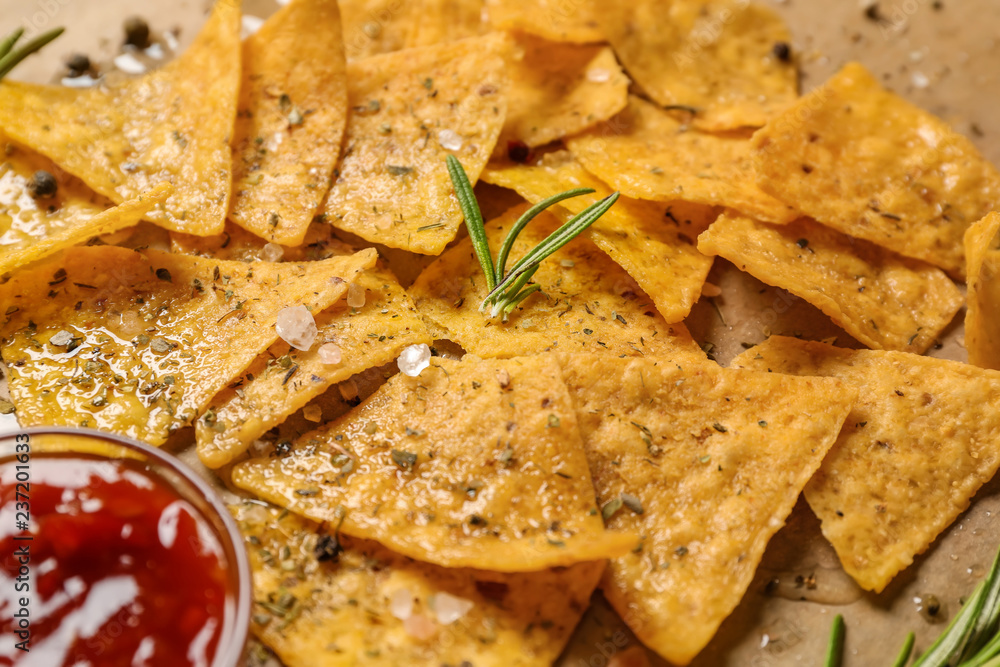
(136, 32)
(42, 185)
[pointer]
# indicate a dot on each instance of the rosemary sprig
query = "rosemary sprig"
(835, 648)
(10, 57)
(508, 289)
(972, 639)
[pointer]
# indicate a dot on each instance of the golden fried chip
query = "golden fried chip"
(284, 379)
(885, 301)
(705, 463)
(33, 228)
(557, 20)
(138, 343)
(372, 27)
(409, 110)
(917, 445)
(472, 464)
(560, 89)
(647, 154)
(982, 318)
(714, 56)
(868, 163)
(654, 243)
(236, 243)
(587, 301)
(173, 124)
(290, 120)
(368, 605)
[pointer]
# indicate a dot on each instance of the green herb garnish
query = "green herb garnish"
(509, 288)
(835, 649)
(10, 57)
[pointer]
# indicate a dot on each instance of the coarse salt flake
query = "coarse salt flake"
(312, 413)
(62, 338)
(272, 252)
(420, 627)
(449, 608)
(414, 359)
(355, 295)
(449, 140)
(401, 604)
(598, 75)
(129, 64)
(330, 354)
(297, 327)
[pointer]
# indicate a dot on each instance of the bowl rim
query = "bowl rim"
(233, 640)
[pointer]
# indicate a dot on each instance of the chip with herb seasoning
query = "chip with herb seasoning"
(982, 318)
(587, 302)
(647, 154)
(713, 57)
(885, 301)
(868, 163)
(32, 229)
(322, 598)
(456, 467)
(172, 124)
(917, 446)
(392, 184)
(558, 90)
(290, 120)
(576, 21)
(283, 380)
(654, 243)
(138, 343)
(706, 463)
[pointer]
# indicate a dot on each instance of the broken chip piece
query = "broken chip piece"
(172, 124)
(705, 463)
(138, 343)
(916, 447)
(982, 324)
(885, 301)
(866, 162)
(472, 464)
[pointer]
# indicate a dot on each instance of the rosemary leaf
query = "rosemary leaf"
(512, 303)
(988, 619)
(9, 41)
(941, 651)
(835, 649)
(473, 218)
(12, 58)
(555, 241)
(905, 651)
(529, 215)
(500, 300)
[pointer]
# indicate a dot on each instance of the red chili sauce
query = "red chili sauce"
(122, 570)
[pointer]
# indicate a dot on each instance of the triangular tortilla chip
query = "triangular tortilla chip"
(587, 301)
(236, 243)
(577, 21)
(367, 605)
(654, 243)
(139, 342)
(868, 163)
(558, 90)
(918, 444)
(706, 463)
(647, 154)
(290, 120)
(283, 380)
(982, 318)
(173, 124)
(372, 27)
(409, 110)
(716, 57)
(32, 229)
(885, 301)
(472, 464)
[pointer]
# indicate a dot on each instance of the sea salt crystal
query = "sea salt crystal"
(297, 327)
(449, 140)
(312, 413)
(414, 359)
(920, 80)
(449, 608)
(155, 51)
(348, 390)
(420, 627)
(330, 353)
(355, 295)
(598, 75)
(251, 24)
(271, 252)
(62, 338)
(401, 604)
(129, 64)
